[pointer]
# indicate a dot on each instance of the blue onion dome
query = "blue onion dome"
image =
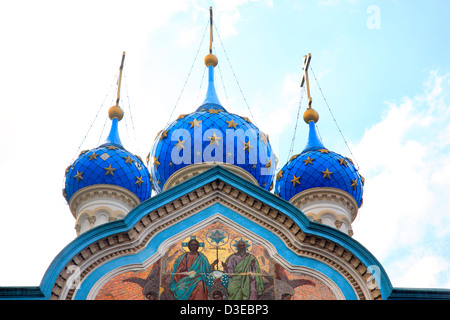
(317, 167)
(109, 163)
(212, 135)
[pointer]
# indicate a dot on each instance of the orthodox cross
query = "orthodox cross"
(306, 61)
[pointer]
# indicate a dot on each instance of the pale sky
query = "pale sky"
(382, 66)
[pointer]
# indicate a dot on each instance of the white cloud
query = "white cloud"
(404, 159)
(422, 270)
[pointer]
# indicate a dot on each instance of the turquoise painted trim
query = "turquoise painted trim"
(21, 293)
(187, 223)
(210, 175)
(419, 294)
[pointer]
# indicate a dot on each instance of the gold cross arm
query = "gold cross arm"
(306, 61)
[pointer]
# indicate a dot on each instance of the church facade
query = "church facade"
(224, 223)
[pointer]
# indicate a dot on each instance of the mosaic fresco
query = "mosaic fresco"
(215, 263)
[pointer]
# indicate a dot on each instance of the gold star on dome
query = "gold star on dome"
(247, 146)
(280, 175)
(214, 139)
(326, 174)
(139, 181)
(93, 156)
(163, 135)
(211, 111)
(112, 147)
(156, 161)
(295, 180)
(181, 116)
(246, 119)
(231, 124)
(128, 160)
(342, 162)
(268, 164)
(79, 176)
(83, 152)
(308, 161)
(354, 184)
(263, 137)
(195, 123)
(323, 151)
(180, 144)
(109, 170)
(294, 157)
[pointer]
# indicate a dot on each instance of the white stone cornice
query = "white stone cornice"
(102, 190)
(192, 170)
(327, 194)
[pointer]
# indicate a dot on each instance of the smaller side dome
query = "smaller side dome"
(108, 164)
(318, 167)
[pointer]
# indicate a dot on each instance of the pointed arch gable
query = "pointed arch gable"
(190, 203)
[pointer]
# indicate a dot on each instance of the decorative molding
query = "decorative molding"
(217, 191)
(329, 194)
(192, 170)
(102, 190)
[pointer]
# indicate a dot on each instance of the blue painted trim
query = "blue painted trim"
(113, 137)
(211, 95)
(234, 180)
(155, 243)
(314, 142)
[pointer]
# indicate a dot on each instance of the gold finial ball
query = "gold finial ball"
(311, 115)
(211, 60)
(115, 112)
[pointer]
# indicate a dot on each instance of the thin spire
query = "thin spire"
(116, 113)
(211, 62)
(210, 29)
(310, 116)
(120, 79)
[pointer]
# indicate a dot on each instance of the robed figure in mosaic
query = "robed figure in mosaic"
(246, 282)
(189, 274)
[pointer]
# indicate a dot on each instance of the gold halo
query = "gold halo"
(234, 242)
(184, 243)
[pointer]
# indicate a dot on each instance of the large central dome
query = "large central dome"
(211, 136)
